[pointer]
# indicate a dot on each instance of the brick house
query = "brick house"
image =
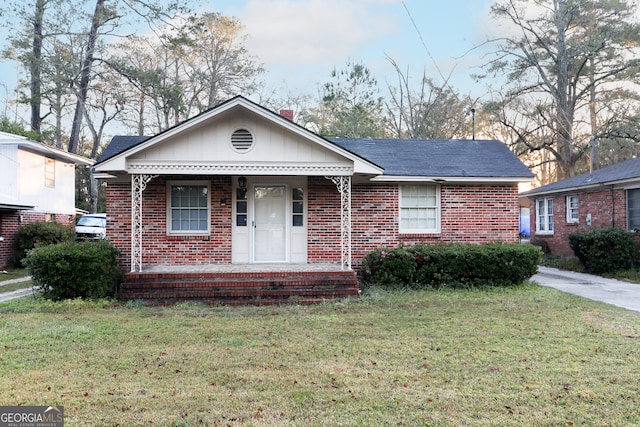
(241, 186)
(607, 197)
(37, 183)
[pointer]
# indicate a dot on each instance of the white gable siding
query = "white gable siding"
(59, 199)
(212, 143)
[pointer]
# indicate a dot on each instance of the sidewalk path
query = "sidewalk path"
(7, 296)
(610, 291)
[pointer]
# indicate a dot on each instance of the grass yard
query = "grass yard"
(512, 357)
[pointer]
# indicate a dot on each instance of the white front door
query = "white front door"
(270, 223)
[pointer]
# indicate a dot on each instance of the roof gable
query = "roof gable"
(202, 145)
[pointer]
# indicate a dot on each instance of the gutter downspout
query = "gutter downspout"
(613, 208)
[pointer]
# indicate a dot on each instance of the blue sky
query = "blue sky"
(301, 41)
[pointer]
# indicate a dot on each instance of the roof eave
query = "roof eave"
(26, 144)
(452, 179)
(103, 175)
(13, 207)
(575, 188)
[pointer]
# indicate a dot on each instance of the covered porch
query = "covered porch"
(240, 202)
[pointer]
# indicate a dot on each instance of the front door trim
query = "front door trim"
(269, 223)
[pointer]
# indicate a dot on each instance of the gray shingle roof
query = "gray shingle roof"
(409, 157)
(445, 158)
(628, 169)
(120, 143)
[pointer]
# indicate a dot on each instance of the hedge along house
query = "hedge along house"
(607, 197)
(260, 210)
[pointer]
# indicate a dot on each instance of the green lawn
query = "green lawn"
(515, 357)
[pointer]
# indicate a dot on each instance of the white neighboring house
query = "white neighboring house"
(37, 183)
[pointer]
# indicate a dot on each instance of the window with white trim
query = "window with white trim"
(419, 208)
(188, 208)
(633, 209)
(49, 172)
(297, 207)
(572, 209)
(544, 216)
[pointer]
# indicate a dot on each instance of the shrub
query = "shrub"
(451, 265)
(605, 250)
(74, 270)
(390, 268)
(41, 233)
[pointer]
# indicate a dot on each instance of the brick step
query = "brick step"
(239, 288)
(243, 302)
(228, 284)
(246, 296)
(243, 291)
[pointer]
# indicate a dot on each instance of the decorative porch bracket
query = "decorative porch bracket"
(138, 184)
(343, 183)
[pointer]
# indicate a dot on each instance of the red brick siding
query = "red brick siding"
(323, 223)
(9, 225)
(608, 208)
(470, 213)
(158, 247)
(118, 202)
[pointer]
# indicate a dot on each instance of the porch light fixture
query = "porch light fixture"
(242, 182)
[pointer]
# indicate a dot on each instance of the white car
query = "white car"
(91, 227)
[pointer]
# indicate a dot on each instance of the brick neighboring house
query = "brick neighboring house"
(607, 197)
(37, 183)
(242, 185)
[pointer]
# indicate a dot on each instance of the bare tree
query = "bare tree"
(428, 111)
(218, 60)
(565, 55)
(99, 18)
(30, 45)
(186, 70)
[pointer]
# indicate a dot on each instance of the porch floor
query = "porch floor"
(236, 268)
(240, 284)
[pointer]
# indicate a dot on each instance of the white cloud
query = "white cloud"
(314, 32)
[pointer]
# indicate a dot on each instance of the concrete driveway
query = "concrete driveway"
(610, 291)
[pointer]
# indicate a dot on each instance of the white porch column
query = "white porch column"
(343, 183)
(138, 184)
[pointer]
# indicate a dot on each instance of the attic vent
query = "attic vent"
(242, 140)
